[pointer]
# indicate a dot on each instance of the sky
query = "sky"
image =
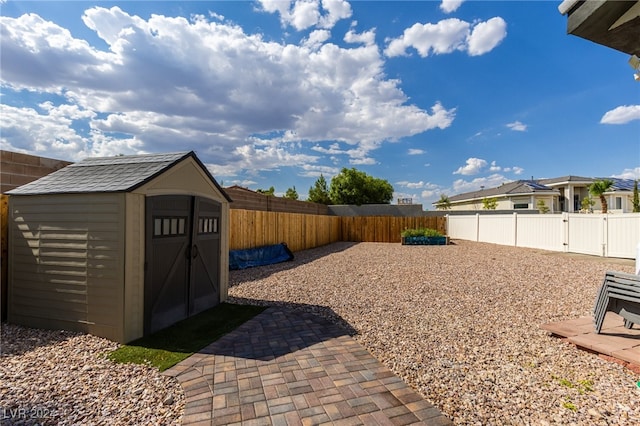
(436, 97)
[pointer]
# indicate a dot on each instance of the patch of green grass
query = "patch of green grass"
(567, 383)
(171, 345)
(585, 386)
(570, 405)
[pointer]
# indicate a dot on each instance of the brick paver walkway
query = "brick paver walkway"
(290, 368)
(614, 339)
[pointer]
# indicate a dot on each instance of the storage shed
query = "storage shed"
(118, 247)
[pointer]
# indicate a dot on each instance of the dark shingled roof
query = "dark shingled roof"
(539, 186)
(618, 183)
(563, 179)
(107, 174)
(511, 188)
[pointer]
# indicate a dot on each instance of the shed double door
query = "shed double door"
(182, 260)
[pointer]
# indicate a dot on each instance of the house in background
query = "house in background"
(517, 195)
(562, 194)
(572, 189)
(615, 24)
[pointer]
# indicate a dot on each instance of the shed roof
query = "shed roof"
(108, 174)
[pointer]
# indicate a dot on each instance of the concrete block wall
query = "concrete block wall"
(17, 169)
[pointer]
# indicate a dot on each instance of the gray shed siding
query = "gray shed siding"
(67, 268)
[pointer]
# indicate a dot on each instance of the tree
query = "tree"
(319, 192)
(598, 189)
(542, 207)
(636, 198)
(587, 204)
(352, 186)
(291, 193)
(443, 203)
(489, 203)
(270, 192)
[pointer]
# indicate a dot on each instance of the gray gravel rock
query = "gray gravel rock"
(460, 324)
(63, 378)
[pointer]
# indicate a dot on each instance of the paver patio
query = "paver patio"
(285, 367)
(614, 339)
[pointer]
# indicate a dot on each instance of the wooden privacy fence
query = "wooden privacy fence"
(255, 228)
(386, 229)
(252, 228)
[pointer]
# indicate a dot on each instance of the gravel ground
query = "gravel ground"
(63, 378)
(460, 324)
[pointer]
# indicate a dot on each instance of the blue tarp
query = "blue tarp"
(260, 256)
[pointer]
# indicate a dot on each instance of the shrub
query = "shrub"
(421, 232)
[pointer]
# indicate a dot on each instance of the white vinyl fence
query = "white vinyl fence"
(608, 235)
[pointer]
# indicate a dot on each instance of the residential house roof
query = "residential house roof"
(524, 187)
(621, 184)
(540, 186)
(618, 183)
(615, 24)
(566, 179)
(108, 174)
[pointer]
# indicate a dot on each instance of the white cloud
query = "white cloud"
(414, 151)
(365, 161)
(448, 6)
(303, 14)
(48, 132)
(314, 171)
(334, 149)
(494, 167)
(485, 36)
(621, 115)
(517, 126)
(429, 190)
(629, 174)
(411, 185)
(366, 38)
(216, 16)
(430, 195)
(149, 93)
(473, 167)
(444, 37)
(316, 39)
(337, 10)
(461, 186)
(448, 36)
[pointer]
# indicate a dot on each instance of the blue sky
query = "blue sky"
(435, 97)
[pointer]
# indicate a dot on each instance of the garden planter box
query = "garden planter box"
(425, 241)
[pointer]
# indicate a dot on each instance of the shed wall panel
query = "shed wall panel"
(68, 258)
(134, 267)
